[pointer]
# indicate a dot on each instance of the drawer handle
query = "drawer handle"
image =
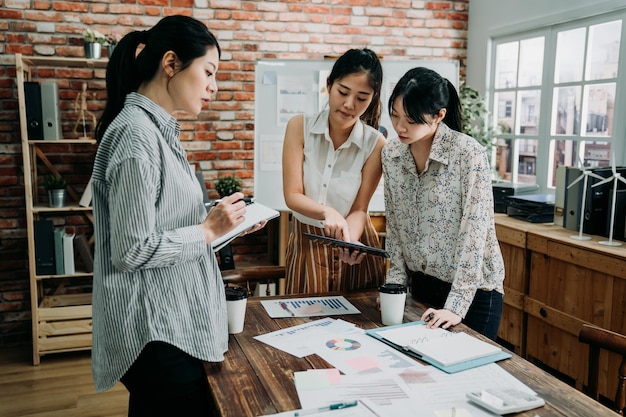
(543, 312)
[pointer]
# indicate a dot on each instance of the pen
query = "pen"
(337, 406)
(214, 203)
(283, 305)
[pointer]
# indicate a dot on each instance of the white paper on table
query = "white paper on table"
(355, 352)
(296, 340)
(364, 408)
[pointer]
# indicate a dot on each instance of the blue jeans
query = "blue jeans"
(484, 313)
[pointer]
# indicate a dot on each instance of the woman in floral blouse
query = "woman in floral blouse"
(439, 207)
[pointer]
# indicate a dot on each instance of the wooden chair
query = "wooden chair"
(598, 338)
(261, 276)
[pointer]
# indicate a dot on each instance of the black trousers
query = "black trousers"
(484, 314)
(165, 381)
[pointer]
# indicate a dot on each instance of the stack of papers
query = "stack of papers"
(448, 351)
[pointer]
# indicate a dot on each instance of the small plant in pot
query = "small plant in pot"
(56, 186)
(225, 186)
(93, 41)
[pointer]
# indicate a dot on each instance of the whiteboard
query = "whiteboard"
(284, 88)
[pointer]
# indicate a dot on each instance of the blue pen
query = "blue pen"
(337, 406)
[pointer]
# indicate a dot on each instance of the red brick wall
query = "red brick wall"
(221, 139)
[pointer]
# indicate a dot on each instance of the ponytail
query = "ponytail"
(187, 37)
(454, 112)
(121, 79)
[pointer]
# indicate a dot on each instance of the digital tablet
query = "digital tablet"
(343, 244)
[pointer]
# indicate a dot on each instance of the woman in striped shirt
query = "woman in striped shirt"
(158, 298)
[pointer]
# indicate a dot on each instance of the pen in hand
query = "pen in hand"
(337, 406)
(214, 203)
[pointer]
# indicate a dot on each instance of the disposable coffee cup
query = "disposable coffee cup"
(236, 299)
(392, 299)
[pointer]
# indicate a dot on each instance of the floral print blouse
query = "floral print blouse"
(441, 222)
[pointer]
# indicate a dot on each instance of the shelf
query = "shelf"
(61, 322)
(52, 210)
(82, 141)
(65, 62)
(76, 275)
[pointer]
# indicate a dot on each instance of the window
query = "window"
(553, 98)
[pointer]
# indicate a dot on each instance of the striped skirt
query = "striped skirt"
(315, 267)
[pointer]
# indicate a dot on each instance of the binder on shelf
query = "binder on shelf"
(44, 247)
(84, 250)
(68, 253)
(58, 250)
(448, 351)
(50, 111)
(34, 120)
(85, 199)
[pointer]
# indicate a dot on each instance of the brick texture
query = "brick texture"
(221, 140)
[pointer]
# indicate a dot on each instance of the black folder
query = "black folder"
(44, 247)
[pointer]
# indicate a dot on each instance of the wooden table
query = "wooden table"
(257, 379)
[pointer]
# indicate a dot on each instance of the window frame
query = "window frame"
(544, 139)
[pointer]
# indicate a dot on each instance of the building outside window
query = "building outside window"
(554, 93)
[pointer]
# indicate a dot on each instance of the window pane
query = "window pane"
(600, 105)
(596, 154)
(529, 112)
(603, 54)
(504, 159)
(504, 111)
(506, 65)
(527, 162)
(566, 111)
(570, 55)
(531, 62)
(563, 153)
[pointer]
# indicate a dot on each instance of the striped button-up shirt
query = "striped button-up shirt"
(155, 277)
(441, 221)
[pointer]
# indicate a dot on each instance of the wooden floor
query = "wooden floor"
(61, 386)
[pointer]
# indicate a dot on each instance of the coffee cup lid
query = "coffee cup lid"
(392, 288)
(236, 293)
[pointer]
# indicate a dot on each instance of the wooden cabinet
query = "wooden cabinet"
(512, 235)
(554, 284)
(60, 304)
(573, 282)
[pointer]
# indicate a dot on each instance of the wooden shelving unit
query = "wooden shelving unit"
(61, 321)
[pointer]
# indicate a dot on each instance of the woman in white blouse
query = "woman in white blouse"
(439, 207)
(331, 168)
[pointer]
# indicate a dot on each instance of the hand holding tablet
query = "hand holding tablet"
(370, 250)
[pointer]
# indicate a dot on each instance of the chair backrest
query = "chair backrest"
(264, 276)
(598, 338)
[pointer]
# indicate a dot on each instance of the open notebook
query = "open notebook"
(448, 351)
(255, 213)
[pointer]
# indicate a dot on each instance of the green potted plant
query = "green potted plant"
(56, 187)
(93, 41)
(111, 42)
(475, 113)
(225, 186)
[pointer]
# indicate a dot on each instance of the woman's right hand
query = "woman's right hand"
(335, 225)
(224, 217)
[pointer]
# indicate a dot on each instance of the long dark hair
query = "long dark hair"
(358, 61)
(424, 92)
(127, 70)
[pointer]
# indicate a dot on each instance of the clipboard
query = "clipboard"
(255, 213)
(370, 250)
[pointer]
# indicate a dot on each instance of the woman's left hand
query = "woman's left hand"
(440, 318)
(351, 256)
